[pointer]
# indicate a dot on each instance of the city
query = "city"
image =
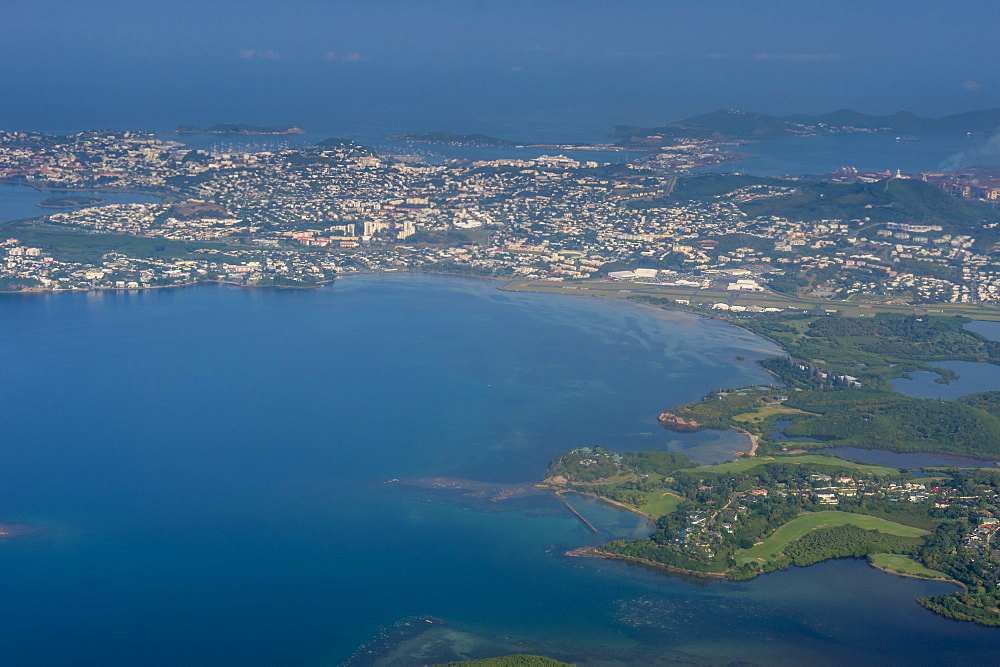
(300, 218)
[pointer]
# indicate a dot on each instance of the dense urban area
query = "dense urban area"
(301, 217)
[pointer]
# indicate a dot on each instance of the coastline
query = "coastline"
(753, 440)
(595, 552)
(193, 283)
(608, 501)
(946, 580)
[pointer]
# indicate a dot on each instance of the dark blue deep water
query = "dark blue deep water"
(207, 469)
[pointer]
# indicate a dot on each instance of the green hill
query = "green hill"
(748, 124)
(888, 200)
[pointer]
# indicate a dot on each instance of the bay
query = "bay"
(210, 471)
(865, 151)
(21, 201)
(773, 156)
(972, 377)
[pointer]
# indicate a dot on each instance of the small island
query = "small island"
(781, 505)
(71, 202)
(240, 128)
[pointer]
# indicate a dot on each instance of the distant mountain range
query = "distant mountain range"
(887, 200)
(733, 124)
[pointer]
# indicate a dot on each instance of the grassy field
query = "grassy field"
(768, 411)
(931, 480)
(905, 565)
(744, 464)
(799, 526)
(659, 503)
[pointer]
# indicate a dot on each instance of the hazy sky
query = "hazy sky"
(452, 65)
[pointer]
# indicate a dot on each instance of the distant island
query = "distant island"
(240, 128)
(71, 202)
(478, 140)
(734, 124)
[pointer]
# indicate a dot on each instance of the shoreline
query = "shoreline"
(595, 552)
(917, 576)
(753, 440)
(607, 501)
(195, 283)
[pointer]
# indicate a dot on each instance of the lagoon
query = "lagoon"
(972, 377)
(213, 464)
(21, 201)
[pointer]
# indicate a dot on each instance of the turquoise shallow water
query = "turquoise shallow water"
(209, 465)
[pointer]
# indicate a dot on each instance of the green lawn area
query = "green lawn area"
(768, 411)
(905, 565)
(931, 480)
(744, 464)
(657, 504)
(802, 524)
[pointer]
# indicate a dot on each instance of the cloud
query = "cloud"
(791, 57)
(255, 54)
(516, 68)
(635, 54)
(986, 153)
(347, 57)
(972, 85)
(797, 57)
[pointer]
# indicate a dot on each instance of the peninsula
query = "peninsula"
(70, 202)
(781, 505)
(735, 124)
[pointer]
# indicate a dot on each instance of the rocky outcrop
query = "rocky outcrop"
(676, 423)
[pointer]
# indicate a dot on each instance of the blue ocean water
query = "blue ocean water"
(209, 469)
